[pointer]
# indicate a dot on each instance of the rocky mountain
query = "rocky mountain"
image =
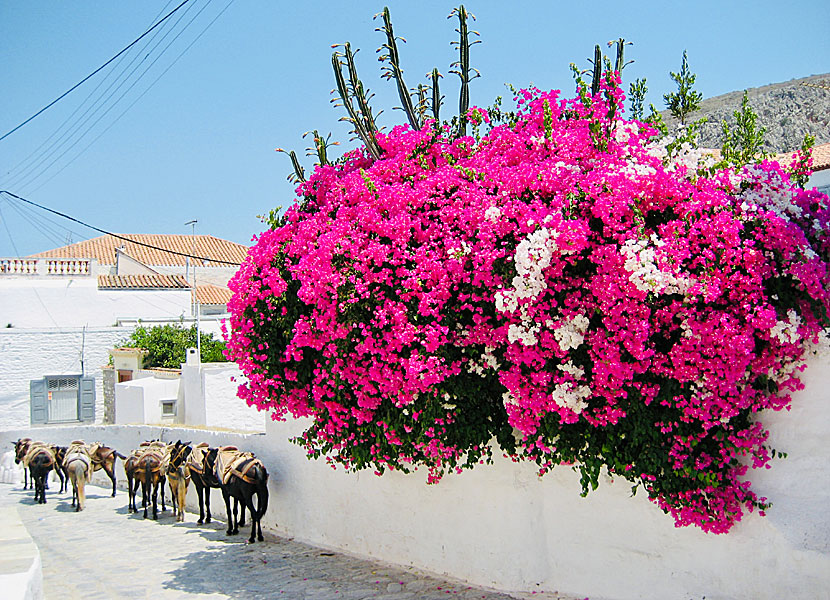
(787, 110)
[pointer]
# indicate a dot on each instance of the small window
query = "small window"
(168, 408)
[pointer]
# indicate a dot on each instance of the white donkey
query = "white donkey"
(78, 465)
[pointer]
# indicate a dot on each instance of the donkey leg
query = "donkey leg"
(110, 469)
(182, 498)
(249, 502)
(199, 492)
(172, 495)
(207, 504)
(162, 481)
(227, 499)
(235, 513)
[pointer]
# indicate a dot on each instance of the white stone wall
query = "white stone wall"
(223, 408)
(34, 353)
(139, 401)
(38, 302)
(501, 526)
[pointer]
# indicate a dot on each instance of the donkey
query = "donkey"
(242, 477)
(130, 464)
(150, 470)
(203, 480)
(103, 457)
(21, 447)
(40, 460)
(178, 476)
(63, 475)
(78, 467)
(202, 464)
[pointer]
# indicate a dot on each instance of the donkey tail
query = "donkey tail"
(262, 491)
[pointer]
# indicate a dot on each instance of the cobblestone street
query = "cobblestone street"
(105, 553)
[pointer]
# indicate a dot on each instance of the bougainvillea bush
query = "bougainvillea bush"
(553, 288)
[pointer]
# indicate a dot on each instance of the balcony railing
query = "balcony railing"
(60, 267)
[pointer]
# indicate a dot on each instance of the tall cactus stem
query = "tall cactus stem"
(394, 70)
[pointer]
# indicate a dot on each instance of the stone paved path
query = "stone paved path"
(105, 553)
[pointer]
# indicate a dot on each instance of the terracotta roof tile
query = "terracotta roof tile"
(821, 157)
(102, 249)
(211, 294)
(142, 282)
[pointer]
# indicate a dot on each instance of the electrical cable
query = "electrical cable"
(96, 71)
(56, 148)
(126, 110)
(11, 239)
(115, 235)
(50, 229)
(48, 141)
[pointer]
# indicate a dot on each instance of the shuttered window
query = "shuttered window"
(62, 399)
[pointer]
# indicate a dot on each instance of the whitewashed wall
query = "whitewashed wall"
(33, 353)
(29, 302)
(220, 382)
(139, 400)
(501, 526)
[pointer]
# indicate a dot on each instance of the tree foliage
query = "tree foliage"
(167, 345)
(685, 100)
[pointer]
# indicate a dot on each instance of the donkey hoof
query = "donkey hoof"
(201, 521)
(251, 540)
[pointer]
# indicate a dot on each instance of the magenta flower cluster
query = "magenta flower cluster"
(552, 290)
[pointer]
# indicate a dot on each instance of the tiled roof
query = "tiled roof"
(211, 294)
(142, 282)
(102, 249)
(821, 157)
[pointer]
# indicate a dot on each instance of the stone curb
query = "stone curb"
(21, 575)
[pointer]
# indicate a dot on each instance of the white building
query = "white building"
(62, 310)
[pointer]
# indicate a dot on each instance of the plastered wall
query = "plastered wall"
(501, 526)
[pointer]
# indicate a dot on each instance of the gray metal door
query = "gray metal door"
(63, 399)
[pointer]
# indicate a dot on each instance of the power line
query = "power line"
(134, 102)
(96, 71)
(34, 290)
(56, 152)
(115, 235)
(66, 121)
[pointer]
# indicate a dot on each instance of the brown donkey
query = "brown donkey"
(78, 466)
(178, 476)
(40, 460)
(150, 471)
(21, 447)
(103, 457)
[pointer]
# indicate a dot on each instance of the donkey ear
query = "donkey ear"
(186, 443)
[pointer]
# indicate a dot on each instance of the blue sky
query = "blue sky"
(194, 137)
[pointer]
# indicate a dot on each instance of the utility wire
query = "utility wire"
(115, 235)
(55, 150)
(85, 79)
(140, 96)
(38, 222)
(34, 289)
(66, 121)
